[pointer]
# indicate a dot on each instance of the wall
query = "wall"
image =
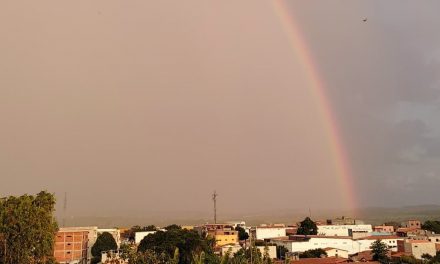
(348, 244)
(271, 250)
(269, 232)
(334, 252)
(343, 230)
(138, 236)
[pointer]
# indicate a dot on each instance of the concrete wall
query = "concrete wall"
(269, 232)
(271, 250)
(138, 236)
(347, 244)
(343, 230)
(334, 252)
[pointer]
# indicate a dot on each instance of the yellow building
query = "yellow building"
(225, 237)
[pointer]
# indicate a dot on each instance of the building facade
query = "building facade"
(344, 230)
(417, 247)
(71, 246)
(268, 232)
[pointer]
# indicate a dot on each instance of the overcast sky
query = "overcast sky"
(133, 107)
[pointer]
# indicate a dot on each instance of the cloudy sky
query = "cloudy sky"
(137, 107)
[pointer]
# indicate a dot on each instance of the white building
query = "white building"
(352, 246)
(267, 232)
(138, 236)
(344, 230)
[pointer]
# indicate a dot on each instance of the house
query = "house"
(409, 232)
(384, 229)
(224, 237)
(412, 224)
(335, 252)
(417, 247)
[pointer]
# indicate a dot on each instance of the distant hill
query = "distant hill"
(370, 215)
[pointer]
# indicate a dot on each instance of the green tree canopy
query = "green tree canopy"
(380, 251)
(433, 226)
(281, 252)
(307, 227)
(188, 242)
(313, 253)
(28, 228)
(242, 234)
(104, 242)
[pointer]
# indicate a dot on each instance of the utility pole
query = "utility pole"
(64, 209)
(214, 199)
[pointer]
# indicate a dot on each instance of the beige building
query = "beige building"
(335, 252)
(417, 247)
(412, 224)
(271, 251)
(384, 229)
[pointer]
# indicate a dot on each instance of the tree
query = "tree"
(188, 242)
(173, 227)
(104, 242)
(130, 234)
(426, 257)
(313, 253)
(433, 226)
(28, 228)
(242, 234)
(281, 252)
(379, 251)
(307, 227)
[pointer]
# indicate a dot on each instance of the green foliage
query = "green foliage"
(433, 226)
(130, 234)
(104, 242)
(379, 251)
(313, 253)
(307, 227)
(281, 252)
(173, 227)
(199, 258)
(409, 260)
(242, 234)
(28, 229)
(187, 241)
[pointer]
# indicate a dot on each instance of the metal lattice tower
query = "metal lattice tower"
(214, 199)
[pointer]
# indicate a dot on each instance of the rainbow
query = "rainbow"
(339, 155)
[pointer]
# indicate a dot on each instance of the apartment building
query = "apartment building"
(71, 246)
